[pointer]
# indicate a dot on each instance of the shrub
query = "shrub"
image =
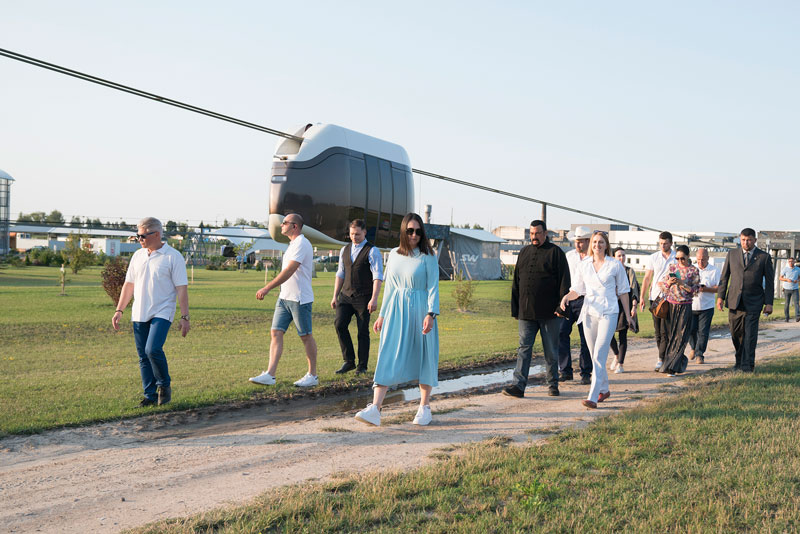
(113, 275)
(76, 254)
(463, 293)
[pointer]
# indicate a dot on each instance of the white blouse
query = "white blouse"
(602, 288)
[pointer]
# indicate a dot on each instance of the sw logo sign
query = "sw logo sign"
(469, 258)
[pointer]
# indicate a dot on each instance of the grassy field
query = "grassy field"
(62, 364)
(720, 457)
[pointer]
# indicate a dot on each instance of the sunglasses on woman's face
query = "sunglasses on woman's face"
(680, 258)
(412, 231)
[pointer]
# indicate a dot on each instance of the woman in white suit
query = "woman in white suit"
(602, 281)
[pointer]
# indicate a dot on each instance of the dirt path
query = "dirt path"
(107, 477)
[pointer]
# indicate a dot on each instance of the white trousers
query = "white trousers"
(598, 332)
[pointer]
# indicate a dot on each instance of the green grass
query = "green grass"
(721, 457)
(62, 364)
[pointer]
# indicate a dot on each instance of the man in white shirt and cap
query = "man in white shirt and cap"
(580, 237)
(156, 276)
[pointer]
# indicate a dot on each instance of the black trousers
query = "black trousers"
(744, 333)
(662, 336)
(622, 349)
(345, 309)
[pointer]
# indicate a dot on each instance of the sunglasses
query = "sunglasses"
(412, 231)
(681, 258)
(142, 236)
(288, 222)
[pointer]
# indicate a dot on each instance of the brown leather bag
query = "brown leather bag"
(659, 307)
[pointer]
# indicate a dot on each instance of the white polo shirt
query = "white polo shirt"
(298, 287)
(709, 277)
(573, 259)
(658, 264)
(155, 278)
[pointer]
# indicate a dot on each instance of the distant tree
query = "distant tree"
(78, 256)
(24, 217)
(241, 252)
(225, 223)
(477, 226)
(241, 222)
(114, 277)
(38, 216)
(171, 227)
(54, 217)
(75, 222)
(183, 228)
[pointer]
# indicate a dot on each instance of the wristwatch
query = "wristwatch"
(185, 317)
(432, 315)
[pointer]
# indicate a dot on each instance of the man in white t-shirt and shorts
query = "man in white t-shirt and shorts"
(294, 303)
(655, 269)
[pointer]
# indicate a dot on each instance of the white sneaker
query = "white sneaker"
(307, 381)
(658, 365)
(619, 369)
(423, 416)
(265, 379)
(370, 415)
(614, 364)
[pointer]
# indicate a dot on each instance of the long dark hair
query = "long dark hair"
(405, 247)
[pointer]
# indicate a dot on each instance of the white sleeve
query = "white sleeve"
(578, 284)
(623, 285)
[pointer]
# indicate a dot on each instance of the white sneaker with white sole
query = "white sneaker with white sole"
(265, 379)
(658, 365)
(307, 381)
(423, 416)
(370, 415)
(619, 369)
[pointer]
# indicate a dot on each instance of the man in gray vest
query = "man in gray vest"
(358, 283)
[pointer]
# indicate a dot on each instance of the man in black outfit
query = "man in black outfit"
(746, 286)
(541, 279)
(355, 292)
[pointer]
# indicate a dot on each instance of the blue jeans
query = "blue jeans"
(790, 294)
(698, 332)
(287, 311)
(564, 356)
(527, 335)
(150, 337)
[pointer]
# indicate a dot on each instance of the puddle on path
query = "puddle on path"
(258, 416)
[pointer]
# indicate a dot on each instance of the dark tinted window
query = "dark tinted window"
(385, 225)
(358, 189)
(373, 197)
(400, 185)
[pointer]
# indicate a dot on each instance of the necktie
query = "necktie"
(746, 259)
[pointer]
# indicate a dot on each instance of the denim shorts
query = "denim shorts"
(288, 310)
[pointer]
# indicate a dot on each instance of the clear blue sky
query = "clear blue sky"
(680, 115)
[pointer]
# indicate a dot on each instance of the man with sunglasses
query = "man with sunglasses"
(294, 303)
(156, 276)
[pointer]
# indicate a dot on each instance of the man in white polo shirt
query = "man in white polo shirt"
(655, 269)
(294, 303)
(703, 307)
(156, 276)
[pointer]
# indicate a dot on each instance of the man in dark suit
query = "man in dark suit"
(541, 279)
(746, 286)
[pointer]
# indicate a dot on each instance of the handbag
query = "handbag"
(659, 307)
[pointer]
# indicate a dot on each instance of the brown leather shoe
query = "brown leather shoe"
(603, 396)
(589, 404)
(691, 354)
(164, 394)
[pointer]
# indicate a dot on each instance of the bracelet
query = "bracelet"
(118, 311)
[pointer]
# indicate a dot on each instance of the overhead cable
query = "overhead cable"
(176, 103)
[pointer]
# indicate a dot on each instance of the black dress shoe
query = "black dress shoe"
(147, 402)
(361, 370)
(553, 391)
(586, 380)
(513, 391)
(164, 394)
(346, 366)
(566, 377)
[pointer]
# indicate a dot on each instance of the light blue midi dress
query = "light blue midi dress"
(411, 291)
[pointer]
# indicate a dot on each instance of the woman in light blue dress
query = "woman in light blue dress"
(409, 346)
